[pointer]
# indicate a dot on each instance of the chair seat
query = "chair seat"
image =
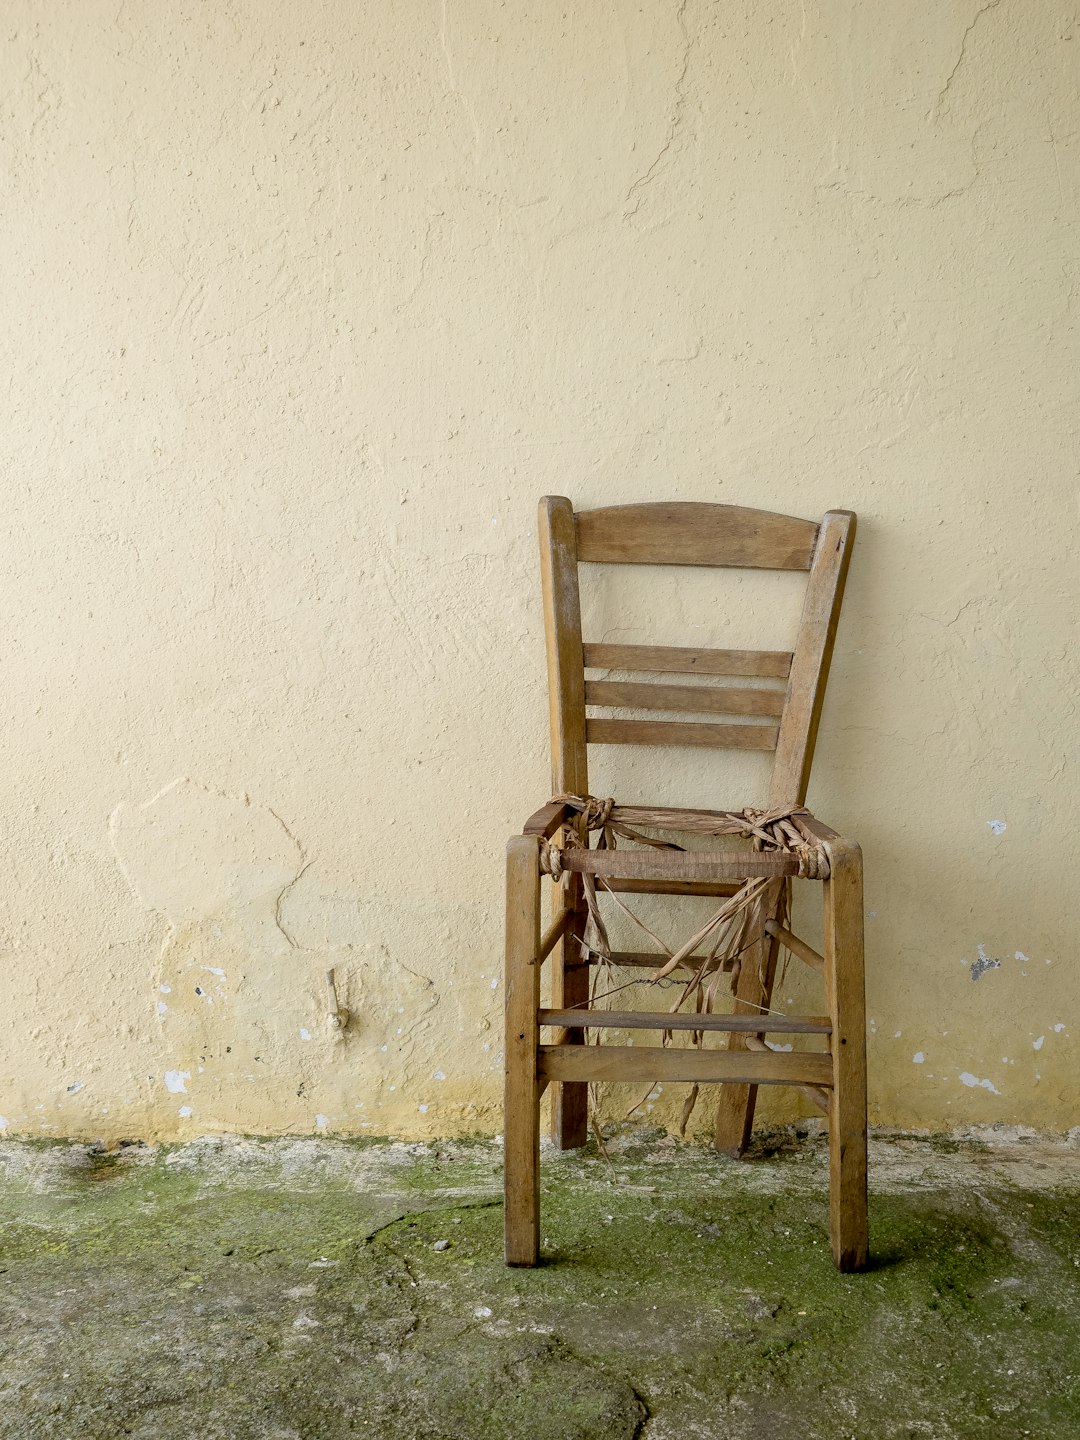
(784, 843)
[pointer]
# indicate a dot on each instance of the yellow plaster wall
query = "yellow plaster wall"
(303, 308)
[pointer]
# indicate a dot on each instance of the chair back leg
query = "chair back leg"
(753, 992)
(570, 989)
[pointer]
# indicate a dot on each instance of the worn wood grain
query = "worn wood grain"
(651, 1062)
(678, 732)
(688, 699)
(685, 660)
(694, 533)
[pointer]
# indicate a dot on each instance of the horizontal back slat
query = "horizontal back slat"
(678, 732)
(692, 533)
(684, 660)
(690, 699)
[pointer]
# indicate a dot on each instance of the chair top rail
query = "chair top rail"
(695, 533)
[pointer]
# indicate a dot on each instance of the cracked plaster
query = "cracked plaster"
(302, 312)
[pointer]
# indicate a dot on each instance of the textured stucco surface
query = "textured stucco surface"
(304, 307)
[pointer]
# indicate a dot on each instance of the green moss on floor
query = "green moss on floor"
(300, 1289)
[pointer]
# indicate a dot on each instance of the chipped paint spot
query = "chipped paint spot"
(165, 989)
(1058, 1029)
(321, 1122)
(306, 1034)
(1038, 1044)
(973, 1082)
(918, 1058)
(161, 1007)
(184, 1111)
(997, 827)
(438, 1075)
(983, 963)
(174, 1081)
(423, 1109)
(75, 1087)
(1019, 955)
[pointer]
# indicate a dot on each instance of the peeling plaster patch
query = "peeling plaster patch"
(918, 1058)
(1038, 1044)
(184, 1111)
(174, 1081)
(983, 963)
(972, 1081)
(997, 827)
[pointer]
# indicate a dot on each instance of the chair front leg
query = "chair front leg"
(847, 1102)
(521, 1117)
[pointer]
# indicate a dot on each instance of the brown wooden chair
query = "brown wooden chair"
(777, 711)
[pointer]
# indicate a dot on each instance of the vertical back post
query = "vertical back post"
(569, 774)
(813, 655)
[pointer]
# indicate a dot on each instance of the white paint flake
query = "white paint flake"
(972, 1081)
(321, 1122)
(184, 1111)
(918, 1058)
(997, 827)
(438, 1075)
(423, 1109)
(1038, 1044)
(304, 1034)
(174, 1081)
(165, 989)
(1058, 1029)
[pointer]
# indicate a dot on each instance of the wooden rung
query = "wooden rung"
(685, 660)
(688, 699)
(679, 732)
(795, 945)
(554, 933)
(642, 959)
(660, 1020)
(650, 1062)
(820, 1098)
(632, 885)
(682, 864)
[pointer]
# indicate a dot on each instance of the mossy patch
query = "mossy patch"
(310, 1289)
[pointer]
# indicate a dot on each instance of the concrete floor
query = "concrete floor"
(288, 1290)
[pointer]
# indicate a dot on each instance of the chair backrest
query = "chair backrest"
(781, 716)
